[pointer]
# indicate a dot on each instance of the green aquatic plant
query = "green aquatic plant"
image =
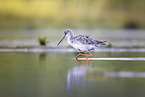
(42, 40)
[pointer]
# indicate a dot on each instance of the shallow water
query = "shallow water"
(57, 74)
(53, 72)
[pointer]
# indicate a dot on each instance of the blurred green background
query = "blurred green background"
(112, 14)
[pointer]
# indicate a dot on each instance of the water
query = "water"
(53, 71)
(50, 74)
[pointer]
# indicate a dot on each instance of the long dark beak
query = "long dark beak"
(61, 40)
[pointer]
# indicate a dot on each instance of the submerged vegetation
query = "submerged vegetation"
(72, 13)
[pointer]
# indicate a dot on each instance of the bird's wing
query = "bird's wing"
(88, 40)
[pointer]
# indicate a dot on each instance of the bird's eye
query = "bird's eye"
(65, 32)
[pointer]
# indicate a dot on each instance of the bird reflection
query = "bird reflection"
(86, 62)
(76, 77)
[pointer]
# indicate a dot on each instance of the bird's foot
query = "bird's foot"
(79, 55)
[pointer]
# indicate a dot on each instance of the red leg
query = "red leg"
(80, 55)
(90, 54)
(84, 55)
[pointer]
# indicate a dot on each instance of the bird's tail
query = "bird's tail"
(100, 43)
(104, 43)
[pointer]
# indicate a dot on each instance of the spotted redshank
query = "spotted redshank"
(82, 43)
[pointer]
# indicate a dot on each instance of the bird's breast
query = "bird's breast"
(82, 47)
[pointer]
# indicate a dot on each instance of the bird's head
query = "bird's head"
(67, 33)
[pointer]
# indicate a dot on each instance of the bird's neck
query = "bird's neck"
(70, 35)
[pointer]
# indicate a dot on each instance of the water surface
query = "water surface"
(53, 72)
(50, 74)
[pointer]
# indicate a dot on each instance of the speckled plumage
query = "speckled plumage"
(87, 40)
(82, 43)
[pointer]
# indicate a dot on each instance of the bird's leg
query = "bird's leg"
(80, 55)
(90, 54)
(84, 55)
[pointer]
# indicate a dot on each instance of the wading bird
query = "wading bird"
(82, 43)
